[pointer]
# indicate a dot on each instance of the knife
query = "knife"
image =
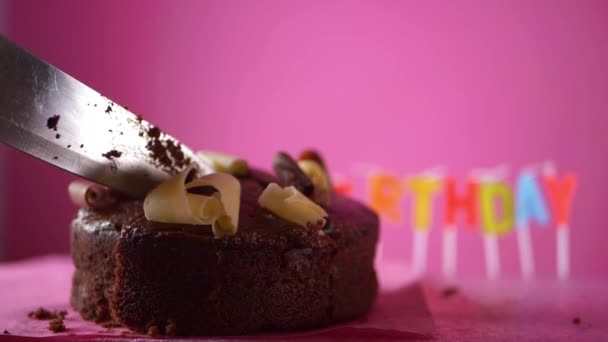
(50, 115)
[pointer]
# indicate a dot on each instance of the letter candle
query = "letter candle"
(423, 188)
(493, 188)
(529, 205)
(453, 202)
(560, 197)
(385, 192)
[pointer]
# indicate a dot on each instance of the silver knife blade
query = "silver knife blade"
(50, 115)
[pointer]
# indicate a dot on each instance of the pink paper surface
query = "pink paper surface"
(507, 309)
(45, 282)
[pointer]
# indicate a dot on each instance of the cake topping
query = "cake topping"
(320, 179)
(289, 173)
(312, 155)
(87, 194)
(225, 163)
(171, 202)
(291, 205)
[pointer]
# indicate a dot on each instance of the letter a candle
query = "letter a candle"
(529, 205)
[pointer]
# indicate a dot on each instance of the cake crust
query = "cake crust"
(271, 276)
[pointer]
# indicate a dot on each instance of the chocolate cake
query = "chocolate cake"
(271, 276)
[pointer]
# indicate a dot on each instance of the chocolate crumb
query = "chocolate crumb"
(55, 158)
(52, 122)
(109, 110)
(112, 154)
(57, 136)
(449, 292)
(141, 134)
(153, 331)
(6, 332)
(69, 146)
(171, 329)
(164, 152)
(44, 314)
(154, 132)
(81, 145)
(576, 321)
(56, 325)
(95, 105)
(110, 130)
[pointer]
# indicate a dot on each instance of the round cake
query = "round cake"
(272, 275)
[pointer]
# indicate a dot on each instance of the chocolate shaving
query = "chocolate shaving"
(6, 332)
(109, 110)
(313, 155)
(289, 173)
(52, 122)
(92, 195)
(57, 136)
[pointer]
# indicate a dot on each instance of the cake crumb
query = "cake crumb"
(112, 154)
(171, 329)
(449, 292)
(56, 325)
(52, 122)
(44, 314)
(153, 331)
(576, 321)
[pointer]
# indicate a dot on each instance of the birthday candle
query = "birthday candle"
(423, 189)
(453, 202)
(385, 192)
(560, 197)
(492, 225)
(529, 206)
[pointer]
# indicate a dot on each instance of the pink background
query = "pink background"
(401, 84)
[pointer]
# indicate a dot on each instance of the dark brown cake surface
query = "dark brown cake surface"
(272, 275)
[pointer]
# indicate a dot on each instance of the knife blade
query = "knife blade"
(52, 116)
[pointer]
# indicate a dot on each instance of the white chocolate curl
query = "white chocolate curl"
(90, 195)
(225, 163)
(319, 178)
(291, 205)
(170, 202)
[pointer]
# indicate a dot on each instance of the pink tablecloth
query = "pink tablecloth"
(476, 310)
